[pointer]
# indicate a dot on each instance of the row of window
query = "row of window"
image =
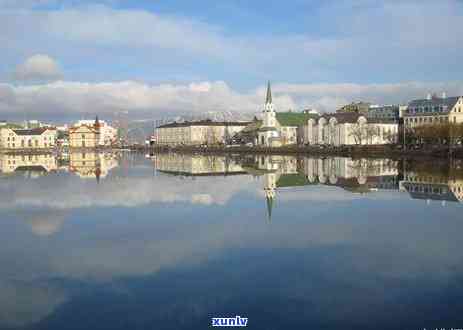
(427, 109)
(430, 120)
(29, 145)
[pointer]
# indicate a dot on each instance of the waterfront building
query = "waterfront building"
(85, 135)
(349, 128)
(280, 128)
(27, 139)
(108, 134)
(434, 110)
(198, 132)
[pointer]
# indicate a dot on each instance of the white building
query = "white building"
(20, 139)
(197, 132)
(280, 128)
(108, 134)
(349, 128)
(433, 110)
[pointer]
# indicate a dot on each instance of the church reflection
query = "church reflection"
(440, 181)
(357, 176)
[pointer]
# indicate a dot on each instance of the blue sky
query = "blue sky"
(317, 53)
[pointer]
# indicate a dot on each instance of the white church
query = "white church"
(280, 128)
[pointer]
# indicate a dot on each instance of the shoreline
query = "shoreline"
(357, 151)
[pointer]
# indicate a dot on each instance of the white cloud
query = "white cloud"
(369, 39)
(38, 67)
(166, 99)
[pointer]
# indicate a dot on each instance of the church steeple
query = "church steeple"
(268, 99)
(269, 110)
(269, 207)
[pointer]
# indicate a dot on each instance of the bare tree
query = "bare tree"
(357, 131)
(371, 132)
(390, 137)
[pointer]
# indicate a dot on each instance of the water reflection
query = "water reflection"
(171, 240)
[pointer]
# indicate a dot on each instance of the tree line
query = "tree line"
(436, 133)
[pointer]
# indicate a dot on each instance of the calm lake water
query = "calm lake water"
(127, 241)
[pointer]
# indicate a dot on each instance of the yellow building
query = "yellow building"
(27, 139)
(85, 135)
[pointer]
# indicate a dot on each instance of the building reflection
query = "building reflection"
(197, 165)
(31, 165)
(92, 165)
(434, 183)
(356, 176)
(85, 164)
(428, 181)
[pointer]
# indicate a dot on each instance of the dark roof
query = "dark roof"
(294, 118)
(33, 131)
(343, 117)
(205, 123)
(435, 101)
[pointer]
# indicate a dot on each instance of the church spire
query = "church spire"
(268, 100)
(269, 207)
